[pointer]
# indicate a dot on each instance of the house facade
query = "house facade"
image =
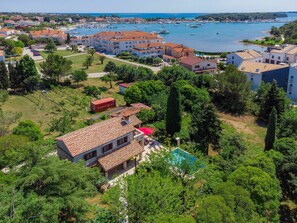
(149, 50)
(80, 40)
(109, 144)
(250, 55)
(281, 54)
(177, 51)
(118, 42)
(258, 72)
(55, 35)
(198, 65)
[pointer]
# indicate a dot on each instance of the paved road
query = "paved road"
(97, 75)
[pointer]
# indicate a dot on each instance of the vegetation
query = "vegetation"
(241, 17)
(271, 130)
(174, 112)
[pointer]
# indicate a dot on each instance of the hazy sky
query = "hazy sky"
(147, 5)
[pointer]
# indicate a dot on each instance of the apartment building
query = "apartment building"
(149, 50)
(55, 35)
(177, 51)
(198, 65)
(115, 42)
(250, 55)
(109, 144)
(292, 83)
(258, 72)
(281, 54)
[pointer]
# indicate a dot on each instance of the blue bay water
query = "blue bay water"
(209, 37)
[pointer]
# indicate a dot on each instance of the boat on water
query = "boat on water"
(218, 33)
(194, 26)
(192, 34)
(163, 32)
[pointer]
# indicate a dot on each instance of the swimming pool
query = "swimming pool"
(184, 160)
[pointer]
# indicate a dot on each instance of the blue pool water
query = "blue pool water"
(182, 160)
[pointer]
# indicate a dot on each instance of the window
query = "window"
(208, 65)
(287, 58)
(272, 57)
(279, 58)
(90, 155)
(122, 141)
(107, 148)
(252, 78)
(233, 58)
(292, 77)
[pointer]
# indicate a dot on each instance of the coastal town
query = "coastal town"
(95, 124)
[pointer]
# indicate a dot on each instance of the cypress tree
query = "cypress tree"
(4, 82)
(173, 113)
(68, 40)
(270, 135)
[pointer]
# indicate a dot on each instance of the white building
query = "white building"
(149, 50)
(281, 54)
(250, 55)
(121, 41)
(258, 72)
(292, 83)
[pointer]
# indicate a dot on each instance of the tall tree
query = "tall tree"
(56, 67)
(232, 90)
(28, 74)
(110, 77)
(91, 51)
(174, 111)
(110, 66)
(4, 81)
(14, 78)
(50, 46)
(88, 62)
(205, 127)
(276, 98)
(68, 39)
(79, 75)
(102, 58)
(271, 130)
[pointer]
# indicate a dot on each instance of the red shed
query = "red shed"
(103, 104)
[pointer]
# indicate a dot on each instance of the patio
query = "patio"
(119, 172)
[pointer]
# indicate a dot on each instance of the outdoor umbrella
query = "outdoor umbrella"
(146, 130)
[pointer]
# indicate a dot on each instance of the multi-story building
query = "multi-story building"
(109, 144)
(258, 72)
(149, 50)
(56, 35)
(121, 41)
(198, 65)
(292, 83)
(176, 51)
(80, 40)
(250, 55)
(281, 54)
(2, 55)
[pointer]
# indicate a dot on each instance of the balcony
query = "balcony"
(138, 135)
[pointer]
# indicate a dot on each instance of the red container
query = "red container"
(103, 104)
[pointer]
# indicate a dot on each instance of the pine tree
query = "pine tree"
(270, 135)
(275, 98)
(205, 127)
(4, 81)
(174, 112)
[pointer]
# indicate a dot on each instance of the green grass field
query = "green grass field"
(43, 108)
(78, 59)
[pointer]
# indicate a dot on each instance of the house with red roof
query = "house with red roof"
(112, 144)
(198, 65)
(123, 87)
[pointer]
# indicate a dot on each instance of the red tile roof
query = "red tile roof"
(88, 138)
(118, 157)
(140, 105)
(125, 85)
(191, 60)
(104, 100)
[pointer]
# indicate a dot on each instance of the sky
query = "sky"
(147, 6)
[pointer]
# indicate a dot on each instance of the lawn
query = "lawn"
(79, 58)
(63, 53)
(43, 108)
